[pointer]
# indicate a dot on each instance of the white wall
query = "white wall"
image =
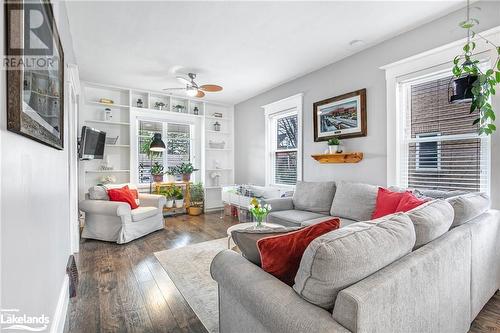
(358, 71)
(34, 235)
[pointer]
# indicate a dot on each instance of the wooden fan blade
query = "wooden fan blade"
(200, 94)
(211, 87)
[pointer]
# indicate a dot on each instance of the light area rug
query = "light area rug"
(189, 269)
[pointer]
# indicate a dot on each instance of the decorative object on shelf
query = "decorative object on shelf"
(111, 140)
(157, 172)
(197, 199)
(192, 88)
(342, 116)
(216, 164)
(185, 170)
(217, 126)
(354, 157)
(471, 83)
(179, 197)
(105, 164)
(33, 113)
(179, 108)
(333, 145)
(196, 111)
(159, 105)
(106, 101)
(217, 115)
(139, 103)
(216, 144)
(108, 115)
(107, 180)
(215, 176)
(259, 211)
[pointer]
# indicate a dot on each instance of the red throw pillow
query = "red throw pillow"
(387, 202)
(408, 202)
(123, 195)
(135, 193)
(280, 255)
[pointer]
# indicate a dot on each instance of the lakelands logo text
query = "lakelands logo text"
(12, 319)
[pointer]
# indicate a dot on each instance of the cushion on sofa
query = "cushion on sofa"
(408, 202)
(387, 202)
(314, 196)
(341, 258)
(246, 240)
(142, 213)
(280, 255)
(343, 222)
(98, 192)
(354, 201)
(431, 220)
(292, 217)
(468, 206)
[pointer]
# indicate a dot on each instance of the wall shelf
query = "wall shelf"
(111, 106)
(106, 171)
(107, 122)
(353, 157)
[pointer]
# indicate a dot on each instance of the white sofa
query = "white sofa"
(115, 221)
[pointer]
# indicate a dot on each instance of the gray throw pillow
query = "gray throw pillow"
(431, 220)
(314, 196)
(468, 206)
(246, 240)
(98, 192)
(354, 201)
(338, 259)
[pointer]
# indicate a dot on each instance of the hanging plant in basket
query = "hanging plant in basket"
(473, 83)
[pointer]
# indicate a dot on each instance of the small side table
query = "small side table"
(242, 226)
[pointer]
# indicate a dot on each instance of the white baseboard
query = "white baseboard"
(59, 317)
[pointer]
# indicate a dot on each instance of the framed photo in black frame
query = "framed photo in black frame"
(35, 72)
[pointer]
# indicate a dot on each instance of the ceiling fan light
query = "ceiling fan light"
(192, 92)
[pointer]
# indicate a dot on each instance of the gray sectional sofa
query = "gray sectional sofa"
(431, 269)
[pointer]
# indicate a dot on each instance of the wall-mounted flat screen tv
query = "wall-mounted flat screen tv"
(91, 144)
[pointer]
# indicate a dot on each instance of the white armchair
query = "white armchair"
(115, 222)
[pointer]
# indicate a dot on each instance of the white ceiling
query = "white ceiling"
(247, 47)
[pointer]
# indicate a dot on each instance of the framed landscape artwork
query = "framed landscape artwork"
(342, 116)
(35, 77)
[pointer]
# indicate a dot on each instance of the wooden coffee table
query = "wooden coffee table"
(242, 226)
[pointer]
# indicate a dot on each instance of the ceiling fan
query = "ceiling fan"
(192, 88)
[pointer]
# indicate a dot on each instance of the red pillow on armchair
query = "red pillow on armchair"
(123, 195)
(280, 255)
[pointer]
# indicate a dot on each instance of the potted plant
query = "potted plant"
(159, 105)
(157, 172)
(474, 83)
(179, 108)
(197, 198)
(171, 174)
(168, 193)
(179, 197)
(185, 169)
(333, 145)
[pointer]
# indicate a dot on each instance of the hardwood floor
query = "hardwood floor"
(123, 288)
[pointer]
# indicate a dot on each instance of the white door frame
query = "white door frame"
(72, 94)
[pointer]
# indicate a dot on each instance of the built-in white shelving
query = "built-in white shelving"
(125, 114)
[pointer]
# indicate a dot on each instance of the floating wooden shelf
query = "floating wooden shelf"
(354, 157)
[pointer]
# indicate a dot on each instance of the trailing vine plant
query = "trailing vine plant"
(486, 80)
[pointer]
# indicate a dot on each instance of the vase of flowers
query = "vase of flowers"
(259, 211)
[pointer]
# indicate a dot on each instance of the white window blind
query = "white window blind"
(285, 131)
(439, 146)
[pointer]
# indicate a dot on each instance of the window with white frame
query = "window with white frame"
(284, 141)
(178, 141)
(439, 146)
